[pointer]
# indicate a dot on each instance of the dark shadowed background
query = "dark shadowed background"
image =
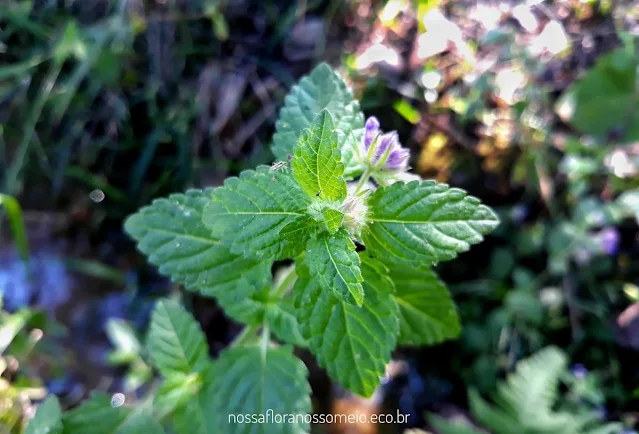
(530, 106)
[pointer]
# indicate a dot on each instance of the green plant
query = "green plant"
(17, 387)
(127, 352)
(349, 308)
(602, 104)
(14, 214)
(526, 403)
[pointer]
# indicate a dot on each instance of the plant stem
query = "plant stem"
(248, 332)
(285, 283)
(266, 338)
(362, 181)
(245, 335)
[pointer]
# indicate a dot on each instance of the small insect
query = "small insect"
(277, 166)
(318, 193)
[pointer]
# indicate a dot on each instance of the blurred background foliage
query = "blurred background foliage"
(529, 105)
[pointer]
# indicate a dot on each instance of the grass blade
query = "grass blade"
(14, 213)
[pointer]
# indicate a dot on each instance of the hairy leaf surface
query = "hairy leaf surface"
(282, 321)
(334, 264)
(248, 213)
(322, 89)
(196, 416)
(171, 233)
(257, 379)
(332, 219)
(427, 313)
(98, 415)
(297, 234)
(177, 390)
(425, 222)
(176, 343)
(352, 343)
(317, 164)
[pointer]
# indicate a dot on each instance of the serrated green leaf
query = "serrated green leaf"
(603, 100)
(425, 222)
(350, 130)
(48, 418)
(175, 341)
(248, 212)
(352, 343)
(177, 390)
(376, 273)
(322, 89)
(247, 307)
(334, 264)
(332, 219)
(427, 313)
(172, 234)
(282, 321)
(140, 421)
(197, 416)
(297, 234)
(96, 416)
(317, 164)
(260, 380)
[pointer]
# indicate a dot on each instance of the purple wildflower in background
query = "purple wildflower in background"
(602, 412)
(387, 153)
(579, 371)
(519, 213)
(609, 240)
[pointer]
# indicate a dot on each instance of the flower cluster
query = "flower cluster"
(381, 151)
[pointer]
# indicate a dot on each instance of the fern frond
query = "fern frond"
(533, 385)
(492, 417)
(524, 403)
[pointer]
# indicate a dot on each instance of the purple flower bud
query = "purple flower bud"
(609, 240)
(372, 131)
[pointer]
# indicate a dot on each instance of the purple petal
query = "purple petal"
(372, 130)
(398, 159)
(609, 240)
(388, 140)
